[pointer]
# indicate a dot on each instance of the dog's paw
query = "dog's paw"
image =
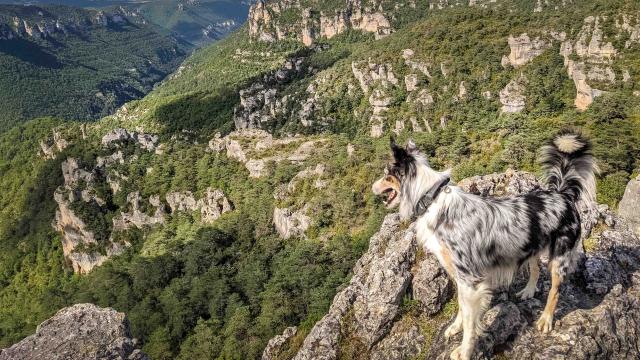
(460, 354)
(452, 330)
(456, 354)
(527, 293)
(545, 323)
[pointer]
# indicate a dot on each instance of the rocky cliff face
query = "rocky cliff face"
(268, 22)
(589, 56)
(79, 332)
(40, 23)
(598, 315)
(78, 241)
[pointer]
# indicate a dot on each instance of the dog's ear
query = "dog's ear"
(392, 141)
(411, 147)
(399, 154)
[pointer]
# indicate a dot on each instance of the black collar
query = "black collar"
(429, 197)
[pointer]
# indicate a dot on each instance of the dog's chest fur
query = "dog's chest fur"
(427, 237)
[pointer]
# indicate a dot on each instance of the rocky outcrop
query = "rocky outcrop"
(79, 332)
(52, 146)
(317, 172)
(631, 26)
(372, 297)
(213, 204)
(138, 218)
(588, 58)
(119, 135)
(275, 344)
(79, 243)
(376, 81)
(523, 50)
(75, 234)
(512, 96)
(629, 206)
(249, 146)
(308, 25)
(598, 313)
(431, 286)
(584, 93)
(260, 104)
(290, 223)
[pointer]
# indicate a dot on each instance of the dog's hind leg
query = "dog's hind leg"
(545, 323)
(474, 302)
(534, 274)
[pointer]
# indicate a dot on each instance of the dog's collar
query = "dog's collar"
(429, 197)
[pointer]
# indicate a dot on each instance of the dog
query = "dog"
(481, 242)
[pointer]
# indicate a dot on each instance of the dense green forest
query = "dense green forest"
(196, 22)
(83, 69)
(221, 290)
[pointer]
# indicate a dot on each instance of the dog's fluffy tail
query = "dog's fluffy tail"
(569, 166)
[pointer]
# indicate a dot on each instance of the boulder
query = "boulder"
(431, 285)
(629, 206)
(79, 332)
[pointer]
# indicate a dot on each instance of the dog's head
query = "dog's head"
(397, 171)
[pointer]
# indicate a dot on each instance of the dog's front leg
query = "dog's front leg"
(473, 301)
(456, 326)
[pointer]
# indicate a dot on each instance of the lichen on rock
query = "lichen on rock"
(79, 332)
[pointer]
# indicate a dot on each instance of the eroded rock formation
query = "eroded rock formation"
(512, 96)
(79, 332)
(138, 218)
(266, 24)
(523, 49)
(213, 204)
(249, 146)
(290, 223)
(260, 104)
(52, 146)
(78, 241)
(119, 135)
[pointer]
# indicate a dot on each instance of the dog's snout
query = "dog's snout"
(376, 188)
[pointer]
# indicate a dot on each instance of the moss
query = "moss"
(590, 244)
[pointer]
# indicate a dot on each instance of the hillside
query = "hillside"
(196, 22)
(76, 64)
(233, 201)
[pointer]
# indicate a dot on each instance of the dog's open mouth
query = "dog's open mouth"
(390, 195)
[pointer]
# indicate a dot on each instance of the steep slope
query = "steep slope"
(237, 192)
(196, 22)
(76, 64)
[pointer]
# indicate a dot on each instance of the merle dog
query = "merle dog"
(482, 242)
